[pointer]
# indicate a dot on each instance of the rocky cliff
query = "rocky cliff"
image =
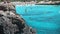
(12, 23)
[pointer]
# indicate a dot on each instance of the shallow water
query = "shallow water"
(44, 18)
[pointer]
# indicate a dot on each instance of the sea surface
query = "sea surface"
(44, 18)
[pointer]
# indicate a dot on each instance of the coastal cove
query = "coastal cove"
(44, 18)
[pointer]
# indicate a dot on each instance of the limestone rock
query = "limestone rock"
(12, 23)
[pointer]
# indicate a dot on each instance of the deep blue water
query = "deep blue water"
(44, 18)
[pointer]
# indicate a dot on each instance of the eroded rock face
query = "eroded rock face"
(12, 23)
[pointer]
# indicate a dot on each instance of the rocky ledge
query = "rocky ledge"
(12, 23)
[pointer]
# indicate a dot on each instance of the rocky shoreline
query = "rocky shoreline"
(32, 2)
(12, 23)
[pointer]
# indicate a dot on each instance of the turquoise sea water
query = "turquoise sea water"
(44, 18)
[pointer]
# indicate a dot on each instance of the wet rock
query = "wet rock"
(29, 30)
